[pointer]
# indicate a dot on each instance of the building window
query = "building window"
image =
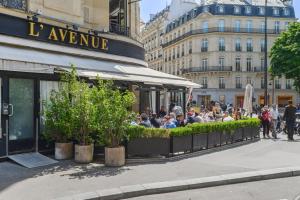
(262, 45)
(205, 26)
(204, 45)
(262, 27)
(178, 51)
(221, 44)
(277, 84)
(238, 83)
(190, 47)
(249, 26)
(238, 64)
(191, 27)
(237, 26)
(182, 50)
(238, 45)
(205, 9)
(249, 64)
(204, 83)
(288, 84)
(221, 63)
(262, 64)
(173, 53)
(237, 9)
(261, 10)
(204, 64)
(249, 45)
(286, 11)
(286, 25)
(221, 25)
(248, 10)
(249, 81)
(262, 83)
(275, 11)
(221, 83)
(175, 36)
(117, 18)
(190, 62)
(277, 27)
(221, 9)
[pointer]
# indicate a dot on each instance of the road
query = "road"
(278, 189)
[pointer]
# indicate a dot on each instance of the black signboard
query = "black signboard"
(18, 27)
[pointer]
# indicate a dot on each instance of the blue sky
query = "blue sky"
(153, 6)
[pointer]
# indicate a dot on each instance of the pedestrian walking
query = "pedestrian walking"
(290, 118)
(266, 120)
(274, 120)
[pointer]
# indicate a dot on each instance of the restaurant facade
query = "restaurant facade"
(40, 39)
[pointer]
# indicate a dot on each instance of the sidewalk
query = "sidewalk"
(68, 178)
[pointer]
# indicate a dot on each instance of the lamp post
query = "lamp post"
(266, 52)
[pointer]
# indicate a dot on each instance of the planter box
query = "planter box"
(238, 135)
(214, 139)
(248, 133)
(181, 143)
(200, 141)
(226, 138)
(256, 132)
(148, 146)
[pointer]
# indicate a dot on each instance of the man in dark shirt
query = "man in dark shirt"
(162, 112)
(290, 118)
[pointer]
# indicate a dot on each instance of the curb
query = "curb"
(132, 161)
(125, 192)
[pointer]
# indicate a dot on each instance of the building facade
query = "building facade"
(220, 45)
(39, 39)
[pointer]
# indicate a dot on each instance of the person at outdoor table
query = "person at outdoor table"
(155, 121)
(168, 123)
(266, 120)
(274, 120)
(227, 117)
(290, 118)
(190, 118)
(162, 112)
(179, 121)
(198, 118)
(145, 121)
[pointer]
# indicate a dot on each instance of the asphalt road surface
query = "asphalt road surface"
(277, 189)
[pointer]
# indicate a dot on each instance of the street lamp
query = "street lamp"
(266, 52)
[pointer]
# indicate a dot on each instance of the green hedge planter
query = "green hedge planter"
(200, 141)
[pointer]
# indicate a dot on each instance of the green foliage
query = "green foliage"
(181, 131)
(285, 55)
(142, 132)
(112, 111)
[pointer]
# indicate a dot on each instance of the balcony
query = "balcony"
(216, 30)
(118, 29)
(277, 86)
(207, 69)
(204, 49)
(288, 87)
(204, 86)
(221, 48)
(238, 86)
(221, 85)
(249, 49)
(238, 48)
(14, 4)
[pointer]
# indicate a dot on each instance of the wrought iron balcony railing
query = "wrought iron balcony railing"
(207, 69)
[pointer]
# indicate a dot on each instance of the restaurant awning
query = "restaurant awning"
(31, 60)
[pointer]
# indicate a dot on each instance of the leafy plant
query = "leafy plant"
(181, 131)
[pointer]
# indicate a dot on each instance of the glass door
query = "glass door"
(2, 125)
(21, 118)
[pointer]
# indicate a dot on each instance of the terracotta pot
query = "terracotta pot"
(84, 154)
(63, 151)
(115, 157)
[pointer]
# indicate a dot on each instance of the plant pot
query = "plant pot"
(148, 146)
(200, 141)
(214, 139)
(181, 143)
(63, 151)
(115, 157)
(238, 135)
(84, 154)
(226, 138)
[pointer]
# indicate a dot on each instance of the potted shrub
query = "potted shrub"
(200, 134)
(214, 137)
(59, 124)
(112, 119)
(181, 139)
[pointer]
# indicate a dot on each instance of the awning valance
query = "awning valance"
(86, 67)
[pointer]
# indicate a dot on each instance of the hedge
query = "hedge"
(196, 128)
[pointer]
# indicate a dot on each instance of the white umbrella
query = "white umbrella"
(248, 99)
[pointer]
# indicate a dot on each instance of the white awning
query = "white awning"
(86, 66)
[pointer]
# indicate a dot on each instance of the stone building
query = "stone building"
(220, 44)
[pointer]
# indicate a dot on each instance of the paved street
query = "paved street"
(278, 189)
(68, 178)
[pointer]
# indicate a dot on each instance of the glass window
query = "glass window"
(205, 26)
(205, 9)
(286, 11)
(261, 10)
(221, 82)
(275, 11)
(237, 26)
(204, 64)
(221, 25)
(277, 84)
(221, 9)
(249, 26)
(277, 26)
(238, 64)
(118, 16)
(249, 64)
(262, 45)
(221, 63)
(262, 64)
(190, 62)
(248, 10)
(204, 45)
(204, 82)
(286, 25)
(249, 45)
(190, 46)
(249, 81)
(288, 84)
(238, 44)
(237, 9)
(262, 82)
(191, 27)
(262, 26)
(182, 50)
(238, 82)
(221, 44)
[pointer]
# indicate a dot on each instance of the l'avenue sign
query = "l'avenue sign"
(19, 27)
(58, 34)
